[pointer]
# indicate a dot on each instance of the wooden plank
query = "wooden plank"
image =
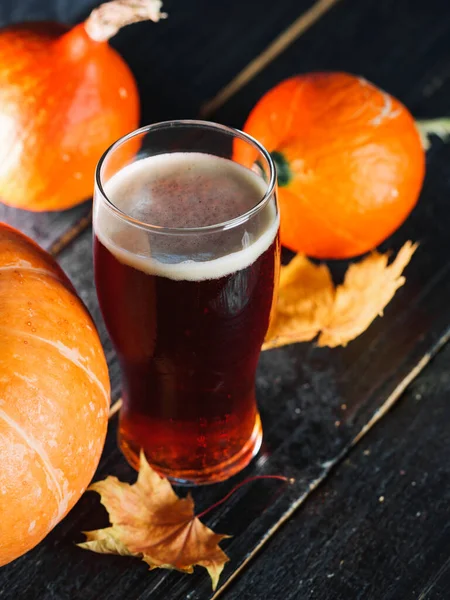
(168, 61)
(379, 527)
(400, 46)
(315, 402)
(198, 49)
(63, 11)
(298, 27)
(51, 230)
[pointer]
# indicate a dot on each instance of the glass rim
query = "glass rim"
(229, 224)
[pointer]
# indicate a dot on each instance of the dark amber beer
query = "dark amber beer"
(186, 299)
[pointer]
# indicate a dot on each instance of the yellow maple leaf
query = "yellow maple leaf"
(305, 299)
(309, 304)
(149, 521)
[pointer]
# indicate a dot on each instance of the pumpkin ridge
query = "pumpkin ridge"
(67, 353)
(34, 445)
(18, 267)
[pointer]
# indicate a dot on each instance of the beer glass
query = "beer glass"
(186, 254)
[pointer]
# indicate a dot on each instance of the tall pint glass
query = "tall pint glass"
(186, 253)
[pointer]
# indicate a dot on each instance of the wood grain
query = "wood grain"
(51, 230)
(379, 526)
(400, 46)
(255, 66)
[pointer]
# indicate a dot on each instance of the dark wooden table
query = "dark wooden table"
(365, 430)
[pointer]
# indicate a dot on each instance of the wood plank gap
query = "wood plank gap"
(115, 407)
(71, 234)
(401, 387)
(379, 414)
(285, 39)
(430, 585)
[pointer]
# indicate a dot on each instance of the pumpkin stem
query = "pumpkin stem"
(439, 127)
(284, 173)
(106, 20)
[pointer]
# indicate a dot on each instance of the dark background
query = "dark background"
(366, 425)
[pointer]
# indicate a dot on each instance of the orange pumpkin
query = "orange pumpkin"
(65, 96)
(54, 395)
(349, 157)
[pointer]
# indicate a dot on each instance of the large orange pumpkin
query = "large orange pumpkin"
(54, 395)
(349, 157)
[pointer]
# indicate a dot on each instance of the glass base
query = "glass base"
(219, 472)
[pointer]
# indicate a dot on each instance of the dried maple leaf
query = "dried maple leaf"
(149, 521)
(309, 304)
(368, 287)
(305, 299)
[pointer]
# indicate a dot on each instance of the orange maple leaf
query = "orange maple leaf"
(149, 521)
(309, 304)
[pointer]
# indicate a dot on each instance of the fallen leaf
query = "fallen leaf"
(305, 299)
(368, 287)
(105, 541)
(149, 521)
(309, 305)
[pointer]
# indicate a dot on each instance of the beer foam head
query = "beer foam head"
(184, 191)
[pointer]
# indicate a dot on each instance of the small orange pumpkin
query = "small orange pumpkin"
(54, 395)
(65, 96)
(350, 162)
